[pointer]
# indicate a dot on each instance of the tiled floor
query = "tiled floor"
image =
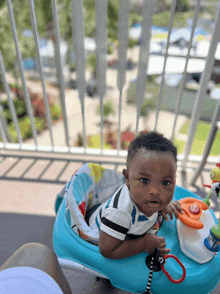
(29, 184)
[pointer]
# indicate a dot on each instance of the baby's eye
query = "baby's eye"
(145, 181)
(166, 183)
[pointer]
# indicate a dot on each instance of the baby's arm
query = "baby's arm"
(113, 248)
(173, 208)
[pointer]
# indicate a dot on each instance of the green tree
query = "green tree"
(7, 46)
(44, 18)
(182, 5)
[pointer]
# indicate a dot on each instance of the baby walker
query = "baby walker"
(194, 261)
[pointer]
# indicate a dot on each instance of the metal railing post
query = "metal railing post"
(40, 67)
(21, 68)
(144, 54)
(79, 56)
(123, 23)
(101, 55)
(160, 97)
(60, 69)
(10, 102)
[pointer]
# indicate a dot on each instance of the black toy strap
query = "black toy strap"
(150, 277)
(155, 259)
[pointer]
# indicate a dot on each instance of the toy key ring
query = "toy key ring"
(168, 275)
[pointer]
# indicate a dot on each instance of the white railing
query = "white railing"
(78, 33)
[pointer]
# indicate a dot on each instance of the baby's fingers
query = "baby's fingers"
(164, 251)
(176, 208)
(165, 216)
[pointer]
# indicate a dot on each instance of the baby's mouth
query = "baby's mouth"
(153, 203)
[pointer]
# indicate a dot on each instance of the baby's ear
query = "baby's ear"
(125, 173)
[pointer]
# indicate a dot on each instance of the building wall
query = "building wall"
(170, 97)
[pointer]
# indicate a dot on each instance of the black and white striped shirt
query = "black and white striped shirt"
(120, 217)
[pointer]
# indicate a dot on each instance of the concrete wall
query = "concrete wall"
(170, 97)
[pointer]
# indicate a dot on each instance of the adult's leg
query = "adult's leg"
(40, 257)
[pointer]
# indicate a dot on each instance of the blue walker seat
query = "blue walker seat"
(130, 274)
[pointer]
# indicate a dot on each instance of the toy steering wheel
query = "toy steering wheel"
(192, 212)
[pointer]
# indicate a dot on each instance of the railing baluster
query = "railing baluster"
(10, 101)
(144, 53)
(3, 135)
(36, 39)
(101, 54)
(123, 25)
(21, 68)
(79, 56)
(212, 133)
(60, 69)
(183, 82)
(160, 97)
(200, 97)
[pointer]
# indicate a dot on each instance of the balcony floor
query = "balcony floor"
(30, 182)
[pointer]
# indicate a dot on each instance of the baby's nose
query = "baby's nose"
(154, 189)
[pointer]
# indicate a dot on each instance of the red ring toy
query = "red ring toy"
(168, 275)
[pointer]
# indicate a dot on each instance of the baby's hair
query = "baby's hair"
(151, 141)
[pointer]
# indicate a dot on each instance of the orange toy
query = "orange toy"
(192, 212)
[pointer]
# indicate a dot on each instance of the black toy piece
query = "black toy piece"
(153, 262)
(157, 262)
(148, 292)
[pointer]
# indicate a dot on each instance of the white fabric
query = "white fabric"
(126, 215)
(27, 280)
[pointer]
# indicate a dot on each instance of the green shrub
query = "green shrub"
(20, 109)
(147, 105)
(182, 5)
(151, 88)
(24, 120)
(161, 19)
(25, 128)
(15, 85)
(33, 78)
(152, 78)
(55, 110)
(132, 43)
(1, 85)
(131, 93)
(91, 62)
(179, 21)
(110, 50)
(72, 67)
(11, 85)
(108, 108)
(134, 18)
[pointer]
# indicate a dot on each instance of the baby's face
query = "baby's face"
(151, 178)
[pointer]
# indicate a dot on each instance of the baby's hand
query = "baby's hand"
(173, 208)
(152, 241)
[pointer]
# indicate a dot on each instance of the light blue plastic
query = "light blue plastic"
(131, 274)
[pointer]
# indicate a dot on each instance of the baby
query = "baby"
(129, 220)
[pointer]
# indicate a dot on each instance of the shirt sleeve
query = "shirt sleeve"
(115, 223)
